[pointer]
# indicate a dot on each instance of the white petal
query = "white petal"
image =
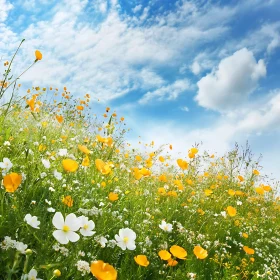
(72, 222)
(86, 232)
(58, 220)
(131, 246)
(72, 236)
(60, 236)
(27, 218)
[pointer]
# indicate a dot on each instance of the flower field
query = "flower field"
(78, 202)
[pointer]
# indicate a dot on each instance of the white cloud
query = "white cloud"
(185, 109)
(137, 8)
(5, 7)
(195, 68)
(236, 77)
(220, 136)
(169, 92)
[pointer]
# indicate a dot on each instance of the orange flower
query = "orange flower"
(38, 55)
(171, 262)
(70, 165)
(259, 190)
(59, 118)
(11, 182)
(241, 179)
(161, 159)
(164, 255)
(141, 260)
(231, 211)
(182, 164)
(68, 200)
(162, 178)
(200, 252)
(248, 250)
(103, 271)
(80, 108)
(245, 235)
(178, 252)
(113, 196)
(103, 167)
(84, 149)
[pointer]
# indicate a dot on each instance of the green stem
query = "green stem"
(2, 87)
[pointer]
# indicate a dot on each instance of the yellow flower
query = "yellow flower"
(178, 252)
(259, 190)
(231, 211)
(103, 271)
(138, 158)
(84, 149)
(161, 191)
(113, 196)
(162, 178)
(38, 55)
(200, 252)
(208, 192)
(103, 167)
(231, 192)
(11, 182)
(245, 235)
(248, 250)
(67, 200)
(164, 255)
(85, 161)
(182, 164)
(141, 260)
(70, 165)
(256, 172)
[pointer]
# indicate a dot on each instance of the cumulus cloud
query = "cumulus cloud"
(5, 7)
(236, 77)
(169, 92)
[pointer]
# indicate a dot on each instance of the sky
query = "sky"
(180, 72)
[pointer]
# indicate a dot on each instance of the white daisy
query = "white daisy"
(66, 229)
(126, 239)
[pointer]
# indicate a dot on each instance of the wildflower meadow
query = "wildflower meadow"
(77, 201)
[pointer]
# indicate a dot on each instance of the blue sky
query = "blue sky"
(180, 72)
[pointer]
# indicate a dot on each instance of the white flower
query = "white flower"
(46, 163)
(103, 241)
(66, 229)
(86, 226)
(224, 214)
(21, 247)
(57, 175)
(83, 267)
(50, 209)
(7, 143)
(62, 152)
(48, 202)
(166, 227)
(32, 275)
(126, 239)
(6, 165)
(32, 221)
(238, 202)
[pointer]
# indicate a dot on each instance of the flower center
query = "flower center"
(85, 226)
(65, 228)
(125, 239)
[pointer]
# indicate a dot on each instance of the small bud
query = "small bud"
(28, 252)
(57, 273)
